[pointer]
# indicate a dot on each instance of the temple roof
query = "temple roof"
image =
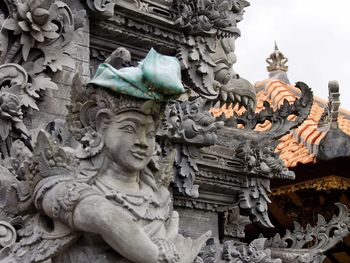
(301, 145)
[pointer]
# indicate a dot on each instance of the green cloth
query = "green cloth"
(157, 77)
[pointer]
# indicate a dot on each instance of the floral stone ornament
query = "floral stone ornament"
(34, 22)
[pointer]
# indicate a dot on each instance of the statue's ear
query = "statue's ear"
(103, 119)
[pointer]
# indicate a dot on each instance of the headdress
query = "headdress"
(144, 88)
(157, 77)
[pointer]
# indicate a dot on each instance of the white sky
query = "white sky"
(313, 34)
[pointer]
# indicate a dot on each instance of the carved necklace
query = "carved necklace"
(142, 205)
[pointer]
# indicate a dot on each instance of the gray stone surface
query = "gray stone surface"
(92, 189)
(194, 222)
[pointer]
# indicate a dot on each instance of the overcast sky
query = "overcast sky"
(313, 34)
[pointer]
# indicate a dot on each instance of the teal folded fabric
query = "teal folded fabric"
(157, 77)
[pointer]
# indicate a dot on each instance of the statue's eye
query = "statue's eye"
(128, 128)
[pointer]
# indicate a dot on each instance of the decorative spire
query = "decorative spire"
(330, 115)
(277, 61)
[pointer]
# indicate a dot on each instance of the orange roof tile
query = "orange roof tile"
(301, 145)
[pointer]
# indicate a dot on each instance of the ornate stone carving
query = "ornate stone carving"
(40, 30)
(60, 201)
(232, 88)
(277, 61)
(34, 41)
(189, 122)
(210, 252)
(27, 88)
(278, 117)
(302, 245)
(201, 33)
(254, 151)
(188, 126)
(63, 181)
(236, 252)
(101, 8)
(186, 169)
(235, 223)
(210, 18)
(19, 93)
(330, 115)
(207, 50)
(261, 160)
(335, 143)
(295, 246)
(208, 63)
(254, 199)
(254, 252)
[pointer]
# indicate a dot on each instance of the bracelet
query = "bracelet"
(167, 251)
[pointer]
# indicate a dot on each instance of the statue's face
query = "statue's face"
(130, 140)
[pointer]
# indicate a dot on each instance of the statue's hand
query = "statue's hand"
(188, 248)
(173, 226)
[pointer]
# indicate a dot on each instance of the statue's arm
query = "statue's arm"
(96, 214)
(84, 209)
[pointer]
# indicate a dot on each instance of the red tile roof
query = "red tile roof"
(301, 145)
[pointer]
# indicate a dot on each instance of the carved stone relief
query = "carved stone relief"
(235, 223)
(58, 198)
(295, 246)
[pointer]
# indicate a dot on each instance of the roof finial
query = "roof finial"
(277, 61)
(330, 115)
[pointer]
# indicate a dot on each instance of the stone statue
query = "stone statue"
(107, 192)
(94, 187)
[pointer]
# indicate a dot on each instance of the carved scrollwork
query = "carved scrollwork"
(303, 245)
(185, 170)
(38, 242)
(236, 252)
(210, 252)
(256, 150)
(15, 79)
(36, 33)
(210, 17)
(254, 199)
(242, 253)
(190, 123)
(309, 244)
(188, 126)
(278, 118)
(8, 234)
(33, 41)
(102, 8)
(206, 50)
(18, 96)
(194, 55)
(261, 160)
(235, 223)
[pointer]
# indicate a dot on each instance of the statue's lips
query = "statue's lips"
(139, 154)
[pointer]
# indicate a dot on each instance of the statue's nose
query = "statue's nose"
(142, 139)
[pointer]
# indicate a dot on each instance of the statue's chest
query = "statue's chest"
(145, 204)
